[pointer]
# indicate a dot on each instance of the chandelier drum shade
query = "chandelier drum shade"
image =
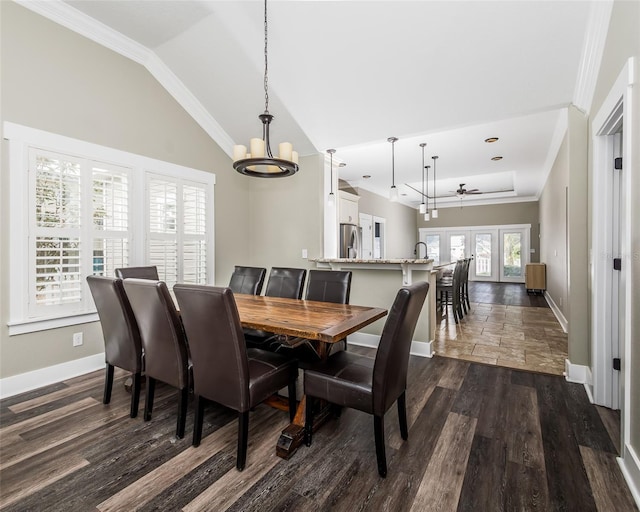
(259, 162)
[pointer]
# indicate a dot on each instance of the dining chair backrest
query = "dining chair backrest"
(149, 272)
(122, 344)
(329, 286)
(392, 356)
(286, 282)
(216, 342)
(163, 339)
(247, 280)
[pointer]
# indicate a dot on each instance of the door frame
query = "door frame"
(614, 114)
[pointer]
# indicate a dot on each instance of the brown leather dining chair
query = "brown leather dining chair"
(371, 385)
(164, 342)
(148, 272)
(323, 286)
(283, 282)
(122, 344)
(224, 369)
(247, 280)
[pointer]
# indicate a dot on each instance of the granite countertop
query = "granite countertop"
(381, 261)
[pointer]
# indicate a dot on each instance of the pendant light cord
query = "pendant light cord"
(266, 63)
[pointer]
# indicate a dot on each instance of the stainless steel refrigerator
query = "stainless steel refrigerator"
(350, 241)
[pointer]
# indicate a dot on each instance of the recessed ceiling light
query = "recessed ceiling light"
(367, 176)
(491, 139)
(496, 158)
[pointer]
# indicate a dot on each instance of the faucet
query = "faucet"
(415, 249)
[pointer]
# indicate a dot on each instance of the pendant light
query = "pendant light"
(423, 206)
(260, 162)
(426, 213)
(434, 212)
(331, 201)
(393, 193)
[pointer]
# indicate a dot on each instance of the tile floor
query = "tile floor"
(521, 337)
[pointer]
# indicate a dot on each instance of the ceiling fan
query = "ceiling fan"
(461, 192)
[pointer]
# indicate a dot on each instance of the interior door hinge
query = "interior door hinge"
(616, 363)
(617, 163)
(617, 263)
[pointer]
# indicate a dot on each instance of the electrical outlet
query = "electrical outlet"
(305, 254)
(77, 339)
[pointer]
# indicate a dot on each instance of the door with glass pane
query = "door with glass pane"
(433, 248)
(457, 246)
(485, 262)
(513, 255)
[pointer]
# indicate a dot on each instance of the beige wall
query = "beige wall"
(489, 215)
(623, 41)
(286, 217)
(56, 80)
(400, 223)
(577, 243)
(553, 228)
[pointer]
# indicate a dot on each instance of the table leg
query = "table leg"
(293, 436)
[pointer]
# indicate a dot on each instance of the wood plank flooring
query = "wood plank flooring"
(481, 438)
(505, 326)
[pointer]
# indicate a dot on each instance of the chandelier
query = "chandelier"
(260, 162)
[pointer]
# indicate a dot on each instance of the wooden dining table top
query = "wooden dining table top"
(323, 321)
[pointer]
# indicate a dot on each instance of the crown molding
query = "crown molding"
(592, 51)
(63, 14)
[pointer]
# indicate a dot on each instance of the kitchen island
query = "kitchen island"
(375, 282)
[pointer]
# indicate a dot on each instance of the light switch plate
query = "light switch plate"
(305, 254)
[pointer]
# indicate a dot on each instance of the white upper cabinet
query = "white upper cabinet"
(348, 207)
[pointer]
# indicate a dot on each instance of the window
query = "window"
(73, 214)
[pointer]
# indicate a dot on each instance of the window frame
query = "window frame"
(20, 141)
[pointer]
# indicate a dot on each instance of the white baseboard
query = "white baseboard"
(556, 311)
(630, 467)
(579, 374)
(24, 382)
(361, 339)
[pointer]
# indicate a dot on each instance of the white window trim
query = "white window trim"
(20, 139)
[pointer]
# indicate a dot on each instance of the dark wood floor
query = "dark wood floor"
(481, 438)
(509, 294)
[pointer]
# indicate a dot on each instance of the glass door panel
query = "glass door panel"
(483, 255)
(457, 247)
(512, 265)
(433, 248)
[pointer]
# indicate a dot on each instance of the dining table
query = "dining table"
(319, 323)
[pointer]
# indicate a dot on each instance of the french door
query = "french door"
(500, 253)
(512, 255)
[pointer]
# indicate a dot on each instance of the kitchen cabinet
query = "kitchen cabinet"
(348, 207)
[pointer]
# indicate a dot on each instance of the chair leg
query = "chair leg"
(148, 403)
(198, 420)
(308, 422)
(243, 439)
(402, 415)
(378, 430)
(135, 394)
(183, 402)
(108, 384)
(292, 399)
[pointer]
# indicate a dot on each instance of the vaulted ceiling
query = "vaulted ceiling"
(349, 74)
